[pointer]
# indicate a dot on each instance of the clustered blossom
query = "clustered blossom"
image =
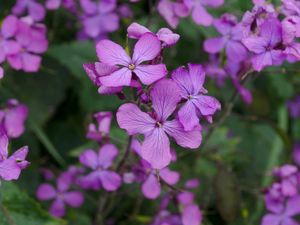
(282, 198)
(173, 11)
(12, 119)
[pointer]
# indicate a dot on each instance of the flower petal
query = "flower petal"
(57, 208)
(111, 53)
(30, 62)
(148, 74)
(186, 139)
(261, 61)
(9, 26)
(136, 30)
(45, 192)
(214, 45)
(207, 105)
(121, 77)
(147, 48)
(165, 96)
(187, 116)
(292, 206)
(106, 155)
(271, 219)
(88, 158)
(73, 198)
(156, 149)
(111, 181)
(191, 215)
(169, 176)
(9, 170)
(235, 51)
(255, 44)
(133, 120)
(201, 16)
(151, 187)
(64, 181)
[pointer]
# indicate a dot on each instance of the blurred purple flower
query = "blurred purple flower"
(190, 81)
(232, 34)
(112, 54)
(296, 154)
(99, 163)
(61, 195)
(165, 96)
(12, 118)
(35, 10)
(294, 107)
(100, 130)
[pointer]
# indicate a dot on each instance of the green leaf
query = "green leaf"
(17, 208)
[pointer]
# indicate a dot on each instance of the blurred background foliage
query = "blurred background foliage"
(233, 167)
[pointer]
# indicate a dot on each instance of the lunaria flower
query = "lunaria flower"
(11, 166)
(12, 118)
(156, 127)
(165, 35)
(61, 195)
(100, 130)
(232, 34)
(265, 46)
(146, 49)
(34, 9)
(100, 176)
(190, 81)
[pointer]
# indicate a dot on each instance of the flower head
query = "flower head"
(34, 9)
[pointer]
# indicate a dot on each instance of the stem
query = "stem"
(47, 144)
(125, 156)
(6, 215)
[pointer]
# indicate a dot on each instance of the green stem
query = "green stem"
(42, 136)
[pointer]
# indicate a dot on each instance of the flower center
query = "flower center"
(190, 97)
(158, 124)
(131, 66)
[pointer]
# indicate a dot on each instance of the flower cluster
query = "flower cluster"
(12, 119)
(282, 199)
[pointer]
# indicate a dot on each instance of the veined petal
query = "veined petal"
(255, 44)
(9, 170)
(110, 180)
(156, 149)
(136, 30)
(183, 79)
(235, 51)
(271, 31)
(106, 155)
(147, 48)
(169, 176)
(111, 53)
(207, 105)
(151, 187)
(148, 74)
(121, 77)
(133, 120)
(261, 61)
(186, 139)
(187, 116)
(3, 145)
(197, 76)
(165, 96)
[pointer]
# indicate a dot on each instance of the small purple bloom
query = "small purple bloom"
(296, 153)
(199, 12)
(196, 103)
(191, 215)
(61, 196)
(11, 167)
(232, 34)
(100, 130)
(146, 49)
(285, 216)
(165, 96)
(99, 163)
(165, 35)
(265, 46)
(34, 9)
(12, 118)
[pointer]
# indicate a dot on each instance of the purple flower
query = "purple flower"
(290, 7)
(172, 11)
(165, 35)
(12, 118)
(192, 183)
(196, 104)
(11, 167)
(99, 18)
(102, 129)
(34, 9)
(32, 39)
(8, 46)
(191, 215)
(165, 96)
(290, 31)
(199, 13)
(265, 46)
(284, 216)
(99, 163)
(147, 48)
(294, 107)
(232, 34)
(151, 185)
(61, 195)
(214, 70)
